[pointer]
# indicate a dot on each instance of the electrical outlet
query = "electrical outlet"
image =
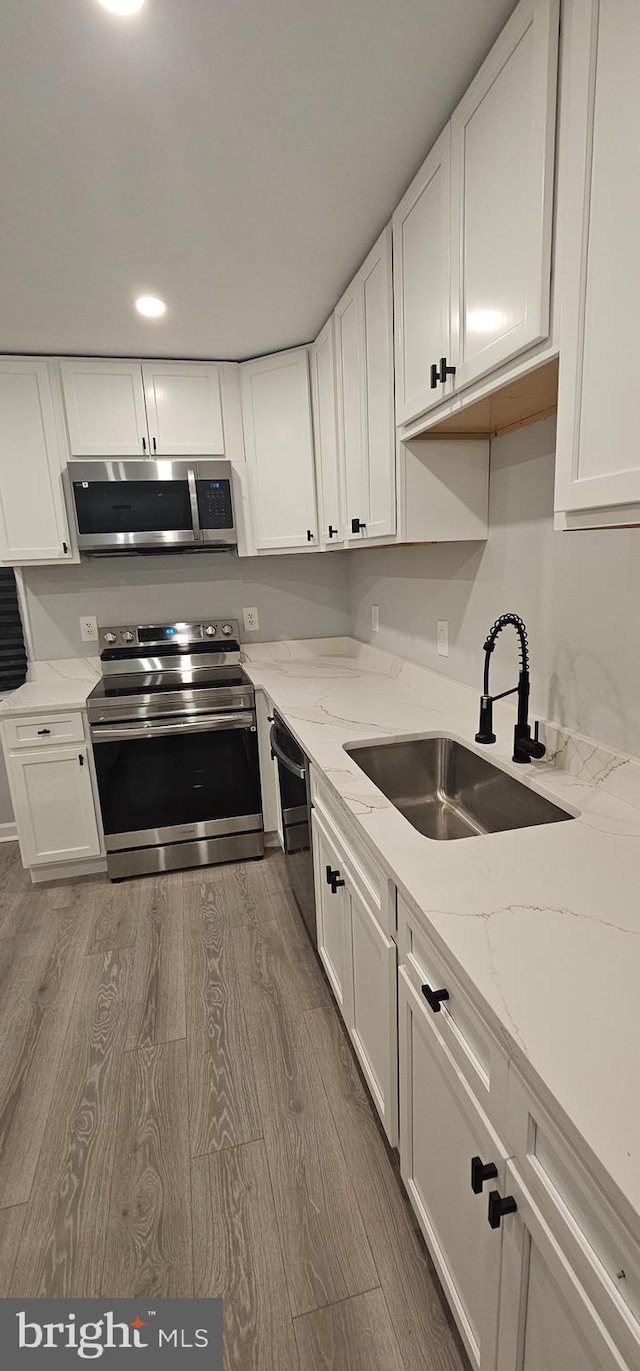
(375, 619)
(89, 628)
(443, 637)
(251, 620)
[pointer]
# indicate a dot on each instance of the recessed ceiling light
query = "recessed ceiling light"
(122, 6)
(150, 306)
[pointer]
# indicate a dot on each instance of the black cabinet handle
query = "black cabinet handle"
(81, 759)
(499, 1205)
(154, 444)
(441, 373)
(481, 1172)
(357, 526)
(144, 444)
(434, 997)
(334, 879)
(42, 732)
(65, 549)
(309, 536)
(332, 531)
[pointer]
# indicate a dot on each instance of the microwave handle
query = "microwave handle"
(193, 497)
(285, 761)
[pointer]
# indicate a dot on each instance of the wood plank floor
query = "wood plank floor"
(181, 1114)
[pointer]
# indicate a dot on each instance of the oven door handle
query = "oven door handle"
(116, 733)
(299, 771)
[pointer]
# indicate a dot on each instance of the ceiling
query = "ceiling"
(236, 157)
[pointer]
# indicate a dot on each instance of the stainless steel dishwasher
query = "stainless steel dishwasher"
(295, 802)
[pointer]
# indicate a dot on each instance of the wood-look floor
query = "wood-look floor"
(181, 1114)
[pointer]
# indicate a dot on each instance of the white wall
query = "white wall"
(297, 596)
(578, 593)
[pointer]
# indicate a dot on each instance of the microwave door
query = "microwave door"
(133, 513)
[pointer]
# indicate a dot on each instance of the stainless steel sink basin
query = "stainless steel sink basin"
(447, 791)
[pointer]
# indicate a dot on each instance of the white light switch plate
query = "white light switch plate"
(443, 637)
(88, 628)
(251, 620)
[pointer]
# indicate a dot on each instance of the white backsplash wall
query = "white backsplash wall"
(578, 593)
(296, 596)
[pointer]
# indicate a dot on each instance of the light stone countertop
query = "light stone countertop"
(53, 685)
(542, 923)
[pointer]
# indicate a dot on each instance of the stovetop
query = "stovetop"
(171, 669)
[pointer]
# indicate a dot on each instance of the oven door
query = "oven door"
(171, 780)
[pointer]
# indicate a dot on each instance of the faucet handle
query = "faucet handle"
(536, 748)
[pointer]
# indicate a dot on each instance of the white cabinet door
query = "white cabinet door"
(373, 1028)
(502, 153)
(546, 1320)
(105, 408)
(442, 1127)
(597, 461)
(184, 410)
(33, 518)
(276, 411)
(333, 917)
(325, 433)
(422, 283)
(364, 380)
(55, 810)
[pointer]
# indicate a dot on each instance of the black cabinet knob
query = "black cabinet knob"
(309, 536)
(357, 526)
(435, 375)
(481, 1172)
(42, 732)
(434, 997)
(333, 532)
(499, 1205)
(334, 879)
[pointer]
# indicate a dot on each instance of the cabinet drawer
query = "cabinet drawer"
(478, 1054)
(366, 874)
(600, 1248)
(39, 730)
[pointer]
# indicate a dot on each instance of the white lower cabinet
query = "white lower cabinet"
(53, 798)
(546, 1319)
(442, 1127)
(360, 961)
(333, 917)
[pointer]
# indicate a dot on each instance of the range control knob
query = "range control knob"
(210, 630)
(109, 637)
(227, 630)
(128, 636)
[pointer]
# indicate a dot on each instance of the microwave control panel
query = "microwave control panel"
(214, 504)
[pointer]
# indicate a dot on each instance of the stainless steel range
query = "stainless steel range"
(173, 730)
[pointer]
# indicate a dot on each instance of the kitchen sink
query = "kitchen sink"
(447, 791)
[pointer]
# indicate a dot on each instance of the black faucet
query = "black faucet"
(524, 746)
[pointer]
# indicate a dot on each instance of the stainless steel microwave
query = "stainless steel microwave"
(144, 505)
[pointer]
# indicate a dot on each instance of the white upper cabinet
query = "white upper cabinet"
(502, 156)
(104, 403)
(33, 519)
(597, 461)
(323, 403)
(184, 412)
(422, 283)
(365, 406)
(276, 411)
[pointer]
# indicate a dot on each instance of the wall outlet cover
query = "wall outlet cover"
(88, 628)
(251, 620)
(443, 637)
